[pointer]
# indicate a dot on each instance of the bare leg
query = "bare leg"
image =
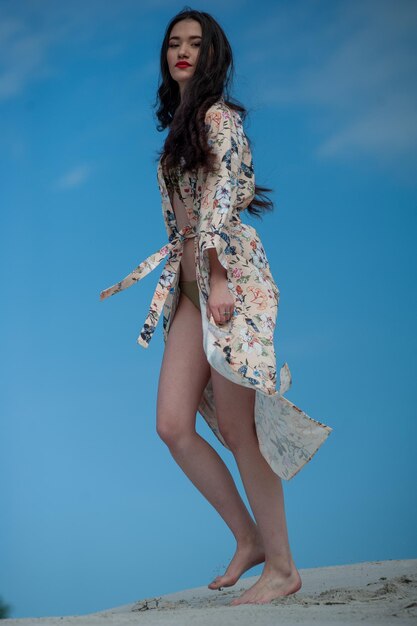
(183, 377)
(235, 410)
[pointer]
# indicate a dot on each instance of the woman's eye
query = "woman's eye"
(175, 45)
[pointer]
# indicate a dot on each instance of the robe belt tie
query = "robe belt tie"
(165, 282)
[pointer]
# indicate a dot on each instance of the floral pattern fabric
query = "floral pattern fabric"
(241, 349)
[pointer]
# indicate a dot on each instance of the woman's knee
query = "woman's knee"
(238, 435)
(172, 430)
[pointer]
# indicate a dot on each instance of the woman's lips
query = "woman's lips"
(182, 65)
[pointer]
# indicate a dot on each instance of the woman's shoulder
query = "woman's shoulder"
(220, 112)
(214, 110)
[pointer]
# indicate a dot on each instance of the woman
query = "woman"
(219, 303)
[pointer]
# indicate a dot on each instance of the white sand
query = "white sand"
(379, 592)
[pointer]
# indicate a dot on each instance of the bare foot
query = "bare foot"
(271, 584)
(247, 555)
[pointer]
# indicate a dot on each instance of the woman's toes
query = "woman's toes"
(222, 581)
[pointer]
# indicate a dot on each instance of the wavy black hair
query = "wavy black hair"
(185, 117)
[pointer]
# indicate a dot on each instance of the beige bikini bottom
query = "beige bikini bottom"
(190, 289)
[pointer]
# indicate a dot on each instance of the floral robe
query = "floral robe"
(241, 349)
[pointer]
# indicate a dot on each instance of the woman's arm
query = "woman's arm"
(219, 195)
(219, 198)
(217, 271)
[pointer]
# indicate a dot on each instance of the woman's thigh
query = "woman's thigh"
(184, 372)
(235, 409)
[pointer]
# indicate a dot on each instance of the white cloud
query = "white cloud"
(350, 65)
(22, 55)
(31, 33)
(388, 129)
(74, 177)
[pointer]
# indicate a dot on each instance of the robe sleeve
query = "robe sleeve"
(219, 193)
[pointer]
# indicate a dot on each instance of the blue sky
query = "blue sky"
(96, 513)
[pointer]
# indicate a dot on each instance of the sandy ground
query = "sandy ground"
(378, 592)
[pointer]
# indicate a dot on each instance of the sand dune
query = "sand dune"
(377, 592)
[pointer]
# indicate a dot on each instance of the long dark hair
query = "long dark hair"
(185, 117)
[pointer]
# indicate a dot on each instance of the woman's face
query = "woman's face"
(183, 49)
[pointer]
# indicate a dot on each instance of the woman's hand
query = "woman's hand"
(220, 302)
